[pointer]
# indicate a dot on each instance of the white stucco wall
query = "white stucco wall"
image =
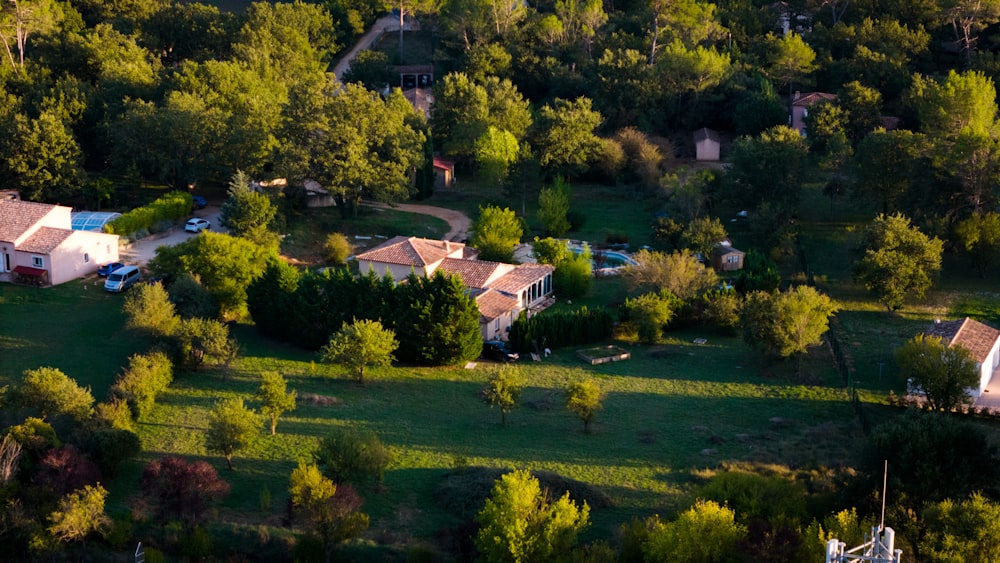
(81, 254)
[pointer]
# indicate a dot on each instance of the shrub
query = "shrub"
(616, 238)
(348, 455)
(171, 207)
(337, 248)
(147, 376)
(550, 329)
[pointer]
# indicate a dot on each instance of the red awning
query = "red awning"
(27, 271)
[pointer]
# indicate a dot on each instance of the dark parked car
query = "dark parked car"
(106, 269)
(199, 202)
(497, 351)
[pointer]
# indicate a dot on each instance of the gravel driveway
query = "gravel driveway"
(142, 251)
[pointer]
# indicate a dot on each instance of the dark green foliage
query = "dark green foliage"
(110, 447)
(372, 70)
(774, 499)
(759, 273)
(720, 307)
(553, 330)
(146, 376)
(353, 456)
(168, 209)
(437, 323)
(270, 299)
(931, 457)
(191, 299)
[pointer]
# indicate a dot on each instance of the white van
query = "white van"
(122, 279)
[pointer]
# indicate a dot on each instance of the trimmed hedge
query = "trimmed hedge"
(553, 330)
(168, 209)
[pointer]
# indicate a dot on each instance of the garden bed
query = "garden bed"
(603, 355)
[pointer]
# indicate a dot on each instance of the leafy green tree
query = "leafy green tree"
(968, 18)
(979, 234)
(495, 151)
(230, 427)
(687, 75)
(963, 530)
(961, 103)
(899, 261)
(53, 393)
(649, 313)
(199, 339)
(495, 233)
(583, 398)
(286, 43)
(753, 496)
(80, 514)
(519, 523)
(803, 317)
(271, 296)
(337, 249)
(246, 212)
(226, 265)
(503, 390)
(191, 299)
(331, 510)
(702, 235)
(550, 251)
(553, 207)
(371, 69)
(758, 109)
(41, 158)
(360, 345)
(944, 373)
(353, 456)
(680, 273)
(759, 273)
(566, 141)
(572, 276)
(149, 310)
(146, 376)
(461, 113)
(704, 533)
(23, 19)
(508, 110)
(790, 59)
(275, 401)
(964, 460)
(769, 168)
(885, 164)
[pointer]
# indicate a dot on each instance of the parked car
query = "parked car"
(122, 279)
(498, 351)
(197, 225)
(199, 202)
(106, 269)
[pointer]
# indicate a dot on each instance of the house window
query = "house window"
(86, 257)
(38, 261)
(497, 326)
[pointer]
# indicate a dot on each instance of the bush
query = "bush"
(174, 206)
(337, 248)
(616, 238)
(147, 376)
(348, 455)
(553, 330)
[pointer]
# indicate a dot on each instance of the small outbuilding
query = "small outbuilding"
(725, 258)
(444, 172)
(707, 144)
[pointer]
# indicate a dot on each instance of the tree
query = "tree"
(230, 426)
(199, 339)
(53, 393)
(963, 530)
(803, 316)
(899, 261)
(225, 265)
(566, 140)
(553, 207)
(519, 523)
(979, 234)
(191, 299)
(65, 469)
(353, 456)
(885, 164)
(146, 376)
(583, 398)
(704, 533)
(961, 103)
(680, 273)
(769, 168)
(371, 69)
(41, 158)
(495, 150)
(80, 513)
(181, 490)
(360, 345)
(20, 20)
(572, 276)
(944, 373)
(495, 233)
(330, 509)
(461, 113)
(246, 213)
(649, 313)
(790, 59)
(759, 273)
(337, 249)
(149, 310)
(274, 398)
(968, 18)
(702, 235)
(503, 390)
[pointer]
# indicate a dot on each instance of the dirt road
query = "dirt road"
(458, 222)
(383, 24)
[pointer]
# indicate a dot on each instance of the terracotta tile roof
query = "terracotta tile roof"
(44, 240)
(520, 277)
(493, 303)
(18, 216)
(410, 251)
(475, 274)
(810, 98)
(970, 334)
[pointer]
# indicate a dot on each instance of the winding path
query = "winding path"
(458, 222)
(382, 25)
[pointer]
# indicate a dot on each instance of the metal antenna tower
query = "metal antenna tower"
(880, 547)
